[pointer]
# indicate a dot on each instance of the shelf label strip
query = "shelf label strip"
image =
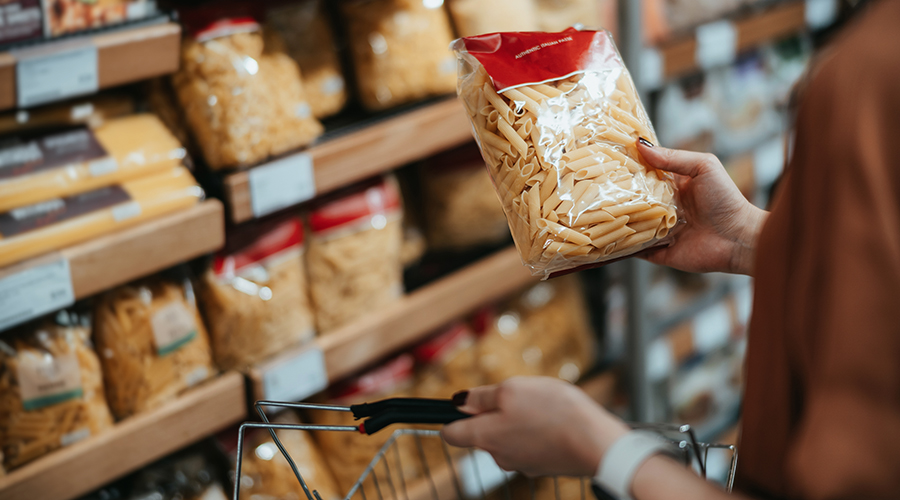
(53, 72)
(716, 44)
(296, 378)
(281, 183)
(32, 292)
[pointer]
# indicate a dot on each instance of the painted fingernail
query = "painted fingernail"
(645, 142)
(460, 398)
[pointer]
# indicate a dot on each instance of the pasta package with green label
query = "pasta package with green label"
(557, 118)
(151, 342)
(51, 388)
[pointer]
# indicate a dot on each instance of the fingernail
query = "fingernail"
(460, 398)
(645, 142)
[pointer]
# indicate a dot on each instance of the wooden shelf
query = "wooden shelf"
(373, 149)
(359, 344)
(134, 442)
(124, 55)
(754, 30)
(120, 257)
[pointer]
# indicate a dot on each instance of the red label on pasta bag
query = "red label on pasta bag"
(514, 59)
(436, 347)
(359, 205)
(286, 235)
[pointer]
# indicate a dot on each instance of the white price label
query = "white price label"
(296, 378)
(282, 183)
(660, 360)
(716, 44)
(35, 291)
(55, 72)
(126, 211)
(820, 13)
(652, 69)
(768, 162)
(480, 474)
(712, 328)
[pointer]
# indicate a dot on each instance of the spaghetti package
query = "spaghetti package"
(353, 255)
(59, 222)
(242, 102)
(461, 207)
(348, 453)
(152, 344)
(308, 39)
(78, 160)
(447, 363)
(254, 298)
(51, 388)
(557, 118)
(266, 474)
(477, 17)
(399, 49)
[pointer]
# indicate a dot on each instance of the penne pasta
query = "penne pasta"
(563, 232)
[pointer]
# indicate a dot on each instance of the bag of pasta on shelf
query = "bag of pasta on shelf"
(243, 102)
(557, 118)
(152, 343)
(51, 388)
(353, 255)
(399, 50)
(254, 297)
(306, 34)
(447, 363)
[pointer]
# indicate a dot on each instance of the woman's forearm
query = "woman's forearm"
(661, 478)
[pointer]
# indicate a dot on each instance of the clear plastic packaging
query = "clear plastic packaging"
(353, 255)
(399, 50)
(51, 388)
(476, 17)
(266, 474)
(254, 298)
(461, 206)
(243, 102)
(560, 143)
(307, 37)
(57, 223)
(64, 163)
(152, 343)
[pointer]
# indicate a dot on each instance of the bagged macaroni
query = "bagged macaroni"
(557, 118)
(254, 298)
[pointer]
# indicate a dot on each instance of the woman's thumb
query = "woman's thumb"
(676, 161)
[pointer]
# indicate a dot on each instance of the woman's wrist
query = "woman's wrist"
(744, 250)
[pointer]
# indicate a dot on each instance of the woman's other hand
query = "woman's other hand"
(722, 226)
(537, 426)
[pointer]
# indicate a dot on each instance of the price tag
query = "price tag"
(820, 13)
(716, 44)
(652, 69)
(282, 183)
(660, 360)
(480, 474)
(768, 162)
(55, 72)
(712, 328)
(35, 291)
(296, 378)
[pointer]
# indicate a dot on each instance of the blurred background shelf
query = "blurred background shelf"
(131, 444)
(124, 55)
(360, 152)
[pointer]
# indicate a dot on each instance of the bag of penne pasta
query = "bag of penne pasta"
(557, 117)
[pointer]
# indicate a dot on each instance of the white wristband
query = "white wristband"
(622, 460)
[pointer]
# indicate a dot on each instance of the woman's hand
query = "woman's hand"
(722, 226)
(537, 426)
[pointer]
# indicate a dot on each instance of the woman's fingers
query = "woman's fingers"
(478, 400)
(470, 432)
(680, 162)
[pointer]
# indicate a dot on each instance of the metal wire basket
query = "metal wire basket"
(445, 473)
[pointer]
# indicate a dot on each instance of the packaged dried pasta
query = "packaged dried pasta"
(447, 363)
(461, 206)
(307, 37)
(51, 388)
(92, 111)
(152, 343)
(254, 297)
(353, 255)
(557, 118)
(348, 453)
(504, 346)
(476, 17)
(399, 50)
(266, 474)
(59, 222)
(56, 164)
(242, 102)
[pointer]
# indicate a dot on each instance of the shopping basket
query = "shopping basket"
(442, 472)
